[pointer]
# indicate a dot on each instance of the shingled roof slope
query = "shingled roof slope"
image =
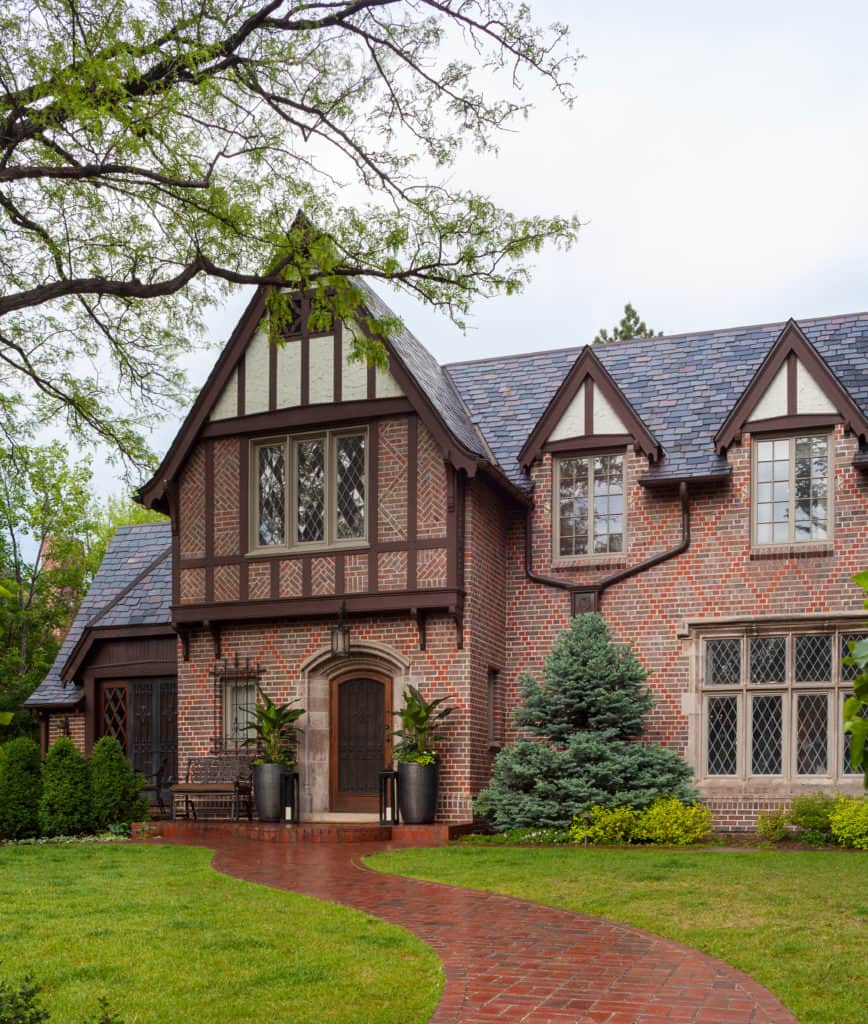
(682, 386)
(132, 550)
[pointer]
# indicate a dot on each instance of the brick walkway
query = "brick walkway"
(508, 960)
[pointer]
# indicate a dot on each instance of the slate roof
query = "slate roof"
(682, 386)
(134, 551)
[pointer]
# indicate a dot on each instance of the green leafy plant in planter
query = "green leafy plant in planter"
(856, 707)
(275, 739)
(416, 754)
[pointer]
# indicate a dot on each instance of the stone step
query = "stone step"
(305, 832)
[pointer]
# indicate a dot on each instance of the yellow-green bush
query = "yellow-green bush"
(607, 825)
(772, 825)
(670, 822)
(848, 821)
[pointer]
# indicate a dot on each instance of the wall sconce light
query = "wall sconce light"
(341, 636)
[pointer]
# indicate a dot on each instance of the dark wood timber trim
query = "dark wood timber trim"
(305, 351)
(94, 634)
(589, 370)
(373, 503)
(422, 544)
(792, 389)
(306, 576)
(451, 527)
(371, 382)
(790, 342)
(244, 517)
(589, 443)
(338, 367)
(653, 483)
(808, 421)
(133, 670)
(174, 509)
(339, 573)
(322, 606)
(313, 415)
(209, 518)
(412, 498)
(241, 385)
(860, 460)
(272, 375)
(275, 579)
(461, 531)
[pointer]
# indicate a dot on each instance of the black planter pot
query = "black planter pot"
(266, 789)
(417, 792)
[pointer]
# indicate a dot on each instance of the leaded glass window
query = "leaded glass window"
(590, 510)
(350, 486)
(791, 490)
(272, 494)
(773, 700)
(310, 490)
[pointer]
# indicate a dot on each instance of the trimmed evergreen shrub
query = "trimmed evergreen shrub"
(811, 815)
(608, 825)
(669, 822)
(65, 808)
(115, 787)
(20, 789)
(584, 721)
(848, 822)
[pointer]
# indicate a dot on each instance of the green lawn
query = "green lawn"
(795, 921)
(167, 939)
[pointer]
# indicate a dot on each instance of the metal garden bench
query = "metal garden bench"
(216, 777)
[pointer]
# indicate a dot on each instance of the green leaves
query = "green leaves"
(275, 735)
(420, 730)
(856, 707)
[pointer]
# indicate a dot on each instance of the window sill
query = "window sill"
(590, 562)
(811, 549)
(355, 547)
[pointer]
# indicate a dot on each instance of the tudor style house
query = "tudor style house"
(707, 493)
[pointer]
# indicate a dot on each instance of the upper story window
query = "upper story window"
(792, 489)
(589, 515)
(311, 490)
(772, 706)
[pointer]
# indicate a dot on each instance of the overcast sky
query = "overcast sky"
(717, 157)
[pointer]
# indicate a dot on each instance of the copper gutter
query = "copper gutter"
(594, 591)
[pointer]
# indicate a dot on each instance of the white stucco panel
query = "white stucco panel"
(572, 423)
(774, 401)
(809, 394)
(256, 373)
(386, 386)
(354, 377)
(322, 369)
(226, 405)
(606, 420)
(289, 375)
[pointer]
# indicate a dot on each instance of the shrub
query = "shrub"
(115, 787)
(584, 753)
(19, 1003)
(615, 825)
(670, 822)
(20, 789)
(65, 807)
(772, 825)
(848, 822)
(811, 815)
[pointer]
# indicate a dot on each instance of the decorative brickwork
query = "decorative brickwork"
(227, 497)
(431, 486)
(226, 583)
(323, 575)
(57, 725)
(431, 568)
(392, 570)
(192, 502)
(290, 577)
(259, 580)
(392, 460)
(355, 574)
(192, 586)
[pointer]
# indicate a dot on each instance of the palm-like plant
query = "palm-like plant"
(275, 734)
(419, 732)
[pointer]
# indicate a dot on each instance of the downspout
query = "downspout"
(592, 592)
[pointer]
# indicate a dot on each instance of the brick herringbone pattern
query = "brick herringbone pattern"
(508, 960)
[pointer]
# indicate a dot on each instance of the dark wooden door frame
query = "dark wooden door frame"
(360, 804)
(129, 685)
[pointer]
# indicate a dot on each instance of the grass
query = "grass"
(794, 921)
(166, 939)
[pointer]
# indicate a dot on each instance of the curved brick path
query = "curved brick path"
(508, 960)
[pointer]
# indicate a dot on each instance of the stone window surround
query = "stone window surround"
(693, 633)
(290, 441)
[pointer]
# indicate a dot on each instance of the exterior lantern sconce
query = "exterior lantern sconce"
(341, 636)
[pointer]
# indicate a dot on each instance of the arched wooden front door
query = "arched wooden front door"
(361, 718)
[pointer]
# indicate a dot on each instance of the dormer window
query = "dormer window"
(589, 517)
(310, 491)
(792, 489)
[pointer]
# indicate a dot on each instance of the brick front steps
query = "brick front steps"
(306, 832)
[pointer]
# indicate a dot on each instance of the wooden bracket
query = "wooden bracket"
(184, 636)
(214, 629)
(421, 617)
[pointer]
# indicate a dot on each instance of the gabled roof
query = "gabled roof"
(132, 587)
(588, 372)
(427, 385)
(682, 386)
(791, 350)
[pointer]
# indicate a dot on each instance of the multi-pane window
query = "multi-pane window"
(792, 477)
(772, 705)
(239, 702)
(589, 516)
(311, 490)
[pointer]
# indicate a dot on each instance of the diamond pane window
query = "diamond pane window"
(813, 659)
(722, 735)
(768, 659)
(812, 733)
(846, 767)
(272, 494)
(591, 505)
(723, 662)
(848, 672)
(766, 734)
(310, 490)
(350, 486)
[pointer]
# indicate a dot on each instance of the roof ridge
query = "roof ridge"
(714, 332)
